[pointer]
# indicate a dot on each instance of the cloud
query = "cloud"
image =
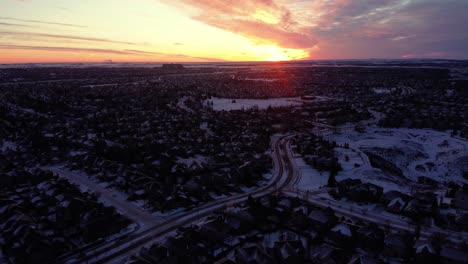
(41, 22)
(66, 37)
(170, 55)
(128, 52)
(325, 29)
(262, 21)
(261, 33)
(12, 25)
(61, 8)
(64, 49)
(387, 28)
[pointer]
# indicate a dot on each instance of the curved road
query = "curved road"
(116, 250)
(362, 214)
(283, 181)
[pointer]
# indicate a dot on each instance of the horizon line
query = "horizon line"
(227, 62)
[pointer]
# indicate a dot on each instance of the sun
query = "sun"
(278, 56)
(275, 53)
(270, 53)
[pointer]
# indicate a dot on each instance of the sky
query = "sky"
(33, 31)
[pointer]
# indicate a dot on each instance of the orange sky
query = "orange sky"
(227, 30)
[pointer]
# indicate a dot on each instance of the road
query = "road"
(108, 197)
(323, 129)
(283, 181)
(355, 212)
(368, 216)
(116, 250)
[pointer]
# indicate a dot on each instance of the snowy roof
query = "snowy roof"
(424, 246)
(395, 201)
(318, 216)
(342, 229)
(454, 254)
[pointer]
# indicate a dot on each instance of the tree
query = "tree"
(331, 179)
(360, 128)
(437, 240)
(417, 231)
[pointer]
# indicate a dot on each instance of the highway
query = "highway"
(116, 250)
(368, 216)
(284, 180)
(355, 212)
(108, 197)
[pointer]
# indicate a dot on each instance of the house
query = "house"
(234, 224)
(298, 220)
(392, 195)
(371, 237)
(345, 185)
(322, 219)
(180, 246)
(253, 253)
(461, 222)
(360, 259)
(397, 246)
(396, 205)
(450, 255)
(226, 260)
(461, 199)
(424, 252)
(214, 231)
(154, 254)
(422, 204)
(428, 181)
(290, 251)
(246, 218)
(366, 192)
(40, 251)
(326, 254)
(340, 236)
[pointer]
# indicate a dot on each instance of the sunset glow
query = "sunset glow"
(216, 30)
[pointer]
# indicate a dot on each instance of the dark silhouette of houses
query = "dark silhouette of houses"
(461, 199)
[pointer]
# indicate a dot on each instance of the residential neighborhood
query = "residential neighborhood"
(239, 163)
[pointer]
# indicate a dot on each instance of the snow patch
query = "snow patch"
(228, 104)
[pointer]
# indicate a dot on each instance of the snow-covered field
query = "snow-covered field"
(403, 89)
(107, 196)
(8, 145)
(382, 90)
(417, 152)
(310, 178)
(348, 163)
(262, 79)
(228, 104)
(198, 160)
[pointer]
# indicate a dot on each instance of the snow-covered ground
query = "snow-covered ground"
(108, 197)
(348, 158)
(382, 90)
(228, 104)
(417, 152)
(309, 178)
(8, 145)
(197, 160)
(403, 89)
(262, 79)
(181, 104)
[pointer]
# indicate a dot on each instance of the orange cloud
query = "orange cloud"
(262, 33)
(262, 21)
(20, 53)
(41, 22)
(63, 37)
